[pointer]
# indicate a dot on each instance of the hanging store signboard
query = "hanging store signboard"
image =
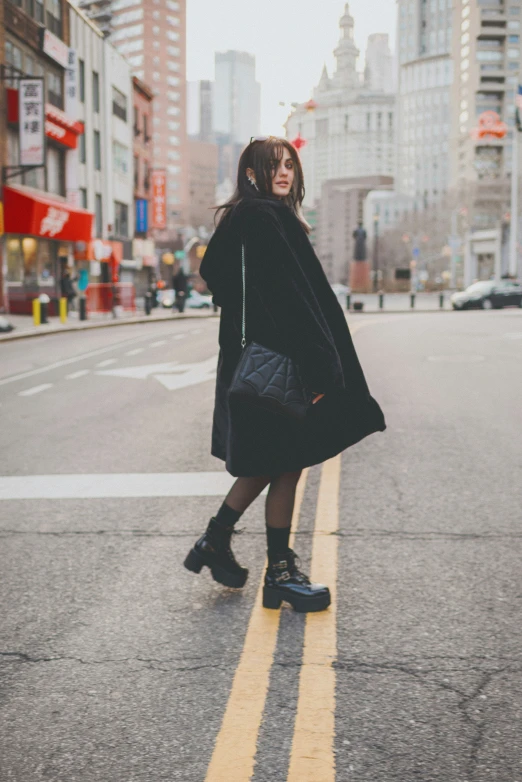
(55, 48)
(31, 122)
(159, 199)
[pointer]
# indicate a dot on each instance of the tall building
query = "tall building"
(237, 96)
(152, 36)
(488, 64)
(347, 129)
(379, 71)
(424, 40)
(200, 110)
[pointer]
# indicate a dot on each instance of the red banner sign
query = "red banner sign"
(159, 199)
(33, 215)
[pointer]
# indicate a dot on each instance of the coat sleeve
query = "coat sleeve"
(285, 291)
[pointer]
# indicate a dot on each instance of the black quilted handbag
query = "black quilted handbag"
(268, 379)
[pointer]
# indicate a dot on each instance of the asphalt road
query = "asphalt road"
(117, 665)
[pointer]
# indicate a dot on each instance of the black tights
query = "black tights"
(279, 506)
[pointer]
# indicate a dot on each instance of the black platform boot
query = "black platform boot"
(284, 581)
(213, 550)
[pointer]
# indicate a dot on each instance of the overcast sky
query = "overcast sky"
(291, 39)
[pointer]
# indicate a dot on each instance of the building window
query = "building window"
(173, 66)
(173, 50)
(83, 197)
(136, 172)
(38, 11)
(172, 5)
(146, 178)
(146, 137)
(55, 170)
(54, 89)
(81, 80)
(173, 20)
(119, 104)
(120, 158)
(54, 17)
(173, 81)
(82, 150)
(97, 151)
(95, 91)
(121, 219)
(98, 218)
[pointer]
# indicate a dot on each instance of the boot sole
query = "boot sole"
(272, 598)
(195, 562)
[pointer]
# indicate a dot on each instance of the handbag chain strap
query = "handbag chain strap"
(243, 323)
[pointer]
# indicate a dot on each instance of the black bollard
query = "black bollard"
(44, 307)
(412, 300)
(148, 303)
(381, 301)
(348, 300)
(441, 301)
(82, 307)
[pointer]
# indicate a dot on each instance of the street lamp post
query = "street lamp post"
(375, 252)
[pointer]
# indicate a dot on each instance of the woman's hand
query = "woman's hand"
(316, 398)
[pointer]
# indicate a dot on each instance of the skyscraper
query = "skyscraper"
(152, 35)
(237, 96)
(425, 77)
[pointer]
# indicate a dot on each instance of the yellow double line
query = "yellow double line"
(312, 756)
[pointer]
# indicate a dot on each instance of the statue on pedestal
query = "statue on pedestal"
(360, 243)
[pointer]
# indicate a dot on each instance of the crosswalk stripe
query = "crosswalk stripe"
(312, 756)
(235, 748)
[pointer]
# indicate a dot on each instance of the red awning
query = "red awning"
(35, 214)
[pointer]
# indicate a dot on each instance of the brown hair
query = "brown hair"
(262, 157)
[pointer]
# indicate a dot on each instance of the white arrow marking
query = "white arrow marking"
(172, 375)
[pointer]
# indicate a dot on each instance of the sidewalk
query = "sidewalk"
(24, 326)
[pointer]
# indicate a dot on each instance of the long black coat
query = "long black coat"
(291, 308)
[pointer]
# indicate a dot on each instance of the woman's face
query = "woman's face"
(283, 175)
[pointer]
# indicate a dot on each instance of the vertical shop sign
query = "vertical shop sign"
(71, 106)
(141, 216)
(72, 158)
(31, 122)
(159, 199)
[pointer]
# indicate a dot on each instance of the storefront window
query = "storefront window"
(14, 260)
(46, 263)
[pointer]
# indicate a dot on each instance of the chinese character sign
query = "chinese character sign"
(159, 199)
(71, 107)
(32, 122)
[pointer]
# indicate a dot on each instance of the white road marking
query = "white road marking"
(74, 360)
(466, 358)
(80, 373)
(107, 362)
(172, 375)
(196, 331)
(513, 335)
(179, 336)
(35, 389)
(141, 372)
(61, 487)
(134, 352)
(157, 344)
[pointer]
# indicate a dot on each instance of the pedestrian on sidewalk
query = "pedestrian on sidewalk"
(180, 285)
(289, 307)
(67, 288)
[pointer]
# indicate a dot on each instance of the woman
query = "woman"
(291, 308)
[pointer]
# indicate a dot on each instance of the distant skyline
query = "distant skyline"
(290, 39)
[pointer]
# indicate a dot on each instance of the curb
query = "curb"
(109, 324)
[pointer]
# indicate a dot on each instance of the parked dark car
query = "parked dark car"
(488, 295)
